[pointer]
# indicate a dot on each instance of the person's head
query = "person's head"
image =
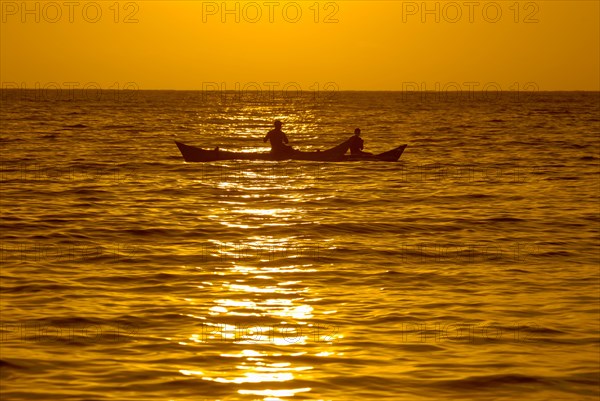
(277, 124)
(357, 132)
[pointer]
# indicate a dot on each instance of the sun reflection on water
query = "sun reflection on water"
(264, 305)
(278, 313)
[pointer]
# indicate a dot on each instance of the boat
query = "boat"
(335, 154)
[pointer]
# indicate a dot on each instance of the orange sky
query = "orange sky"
(364, 45)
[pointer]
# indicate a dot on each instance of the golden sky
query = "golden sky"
(356, 45)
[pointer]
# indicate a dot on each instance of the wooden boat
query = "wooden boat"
(335, 154)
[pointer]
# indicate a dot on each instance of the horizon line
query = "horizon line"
(251, 91)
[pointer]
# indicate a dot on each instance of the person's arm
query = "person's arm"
(285, 140)
(361, 144)
(267, 137)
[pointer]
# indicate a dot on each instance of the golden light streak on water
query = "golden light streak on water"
(294, 317)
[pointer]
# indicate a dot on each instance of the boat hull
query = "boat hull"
(194, 154)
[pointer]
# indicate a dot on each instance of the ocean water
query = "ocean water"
(468, 270)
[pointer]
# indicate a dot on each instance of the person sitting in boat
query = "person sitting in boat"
(278, 139)
(357, 144)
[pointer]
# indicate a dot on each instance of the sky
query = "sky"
(305, 45)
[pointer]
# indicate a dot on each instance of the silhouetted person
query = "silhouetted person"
(277, 139)
(357, 144)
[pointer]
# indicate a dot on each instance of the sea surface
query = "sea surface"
(468, 270)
